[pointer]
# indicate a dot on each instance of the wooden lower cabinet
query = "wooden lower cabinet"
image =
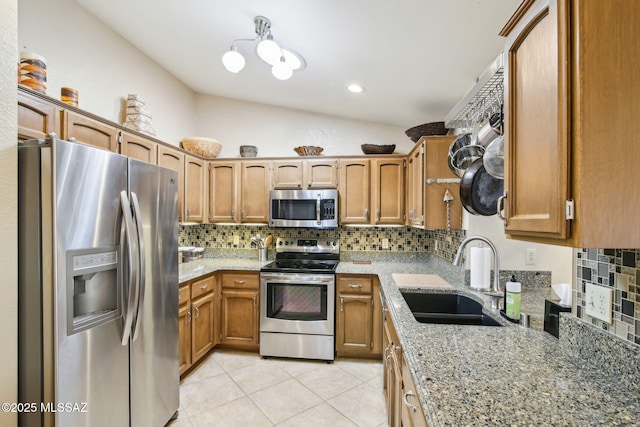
(358, 316)
(198, 320)
(412, 415)
(240, 310)
(184, 334)
(403, 405)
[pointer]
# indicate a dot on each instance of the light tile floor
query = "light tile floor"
(232, 388)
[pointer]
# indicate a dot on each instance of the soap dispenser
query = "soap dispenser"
(513, 292)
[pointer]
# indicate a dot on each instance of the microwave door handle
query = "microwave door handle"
(318, 209)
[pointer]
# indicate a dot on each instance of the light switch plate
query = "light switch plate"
(236, 240)
(385, 243)
(598, 301)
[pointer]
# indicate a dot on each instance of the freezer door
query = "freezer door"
(155, 376)
(92, 368)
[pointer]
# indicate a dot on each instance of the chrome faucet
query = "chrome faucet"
(496, 292)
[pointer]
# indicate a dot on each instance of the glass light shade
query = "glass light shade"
(233, 61)
(282, 71)
(291, 58)
(269, 51)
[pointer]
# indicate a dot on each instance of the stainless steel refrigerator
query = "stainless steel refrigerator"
(98, 288)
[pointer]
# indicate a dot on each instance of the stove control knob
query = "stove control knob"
(280, 243)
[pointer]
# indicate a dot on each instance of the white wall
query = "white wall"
(8, 209)
(557, 259)
(276, 131)
(83, 53)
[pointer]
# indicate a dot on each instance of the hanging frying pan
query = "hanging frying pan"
(479, 191)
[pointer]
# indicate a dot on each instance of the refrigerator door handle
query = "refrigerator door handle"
(134, 273)
(141, 264)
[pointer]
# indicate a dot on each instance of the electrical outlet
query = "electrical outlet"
(385, 243)
(236, 240)
(530, 256)
(436, 246)
(598, 301)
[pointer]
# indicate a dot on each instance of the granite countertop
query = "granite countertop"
(503, 376)
(193, 269)
(506, 376)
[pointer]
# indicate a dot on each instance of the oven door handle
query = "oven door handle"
(307, 279)
(318, 209)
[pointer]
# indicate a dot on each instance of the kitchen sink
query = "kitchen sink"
(452, 309)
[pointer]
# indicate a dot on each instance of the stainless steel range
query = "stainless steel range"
(297, 299)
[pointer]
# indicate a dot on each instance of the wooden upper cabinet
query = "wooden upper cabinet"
(321, 173)
(305, 174)
(139, 148)
(415, 185)
(388, 190)
(288, 174)
(173, 159)
(223, 191)
(36, 118)
(570, 96)
(255, 186)
(354, 191)
(194, 189)
(437, 167)
(88, 131)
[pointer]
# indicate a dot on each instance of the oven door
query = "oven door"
(297, 303)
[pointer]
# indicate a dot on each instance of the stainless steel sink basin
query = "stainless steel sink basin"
(447, 309)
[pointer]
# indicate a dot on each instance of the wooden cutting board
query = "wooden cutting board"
(420, 280)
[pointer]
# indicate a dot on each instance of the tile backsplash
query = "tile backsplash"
(401, 239)
(618, 269)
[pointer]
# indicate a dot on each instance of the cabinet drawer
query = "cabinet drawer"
(245, 281)
(183, 295)
(360, 285)
(202, 287)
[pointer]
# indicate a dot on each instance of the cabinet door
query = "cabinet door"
(288, 174)
(321, 173)
(354, 323)
(412, 415)
(223, 191)
(36, 118)
(89, 131)
(139, 148)
(194, 189)
(354, 191)
(415, 187)
(392, 376)
(536, 106)
(437, 167)
(174, 159)
(184, 337)
(202, 311)
(240, 317)
(255, 191)
(387, 190)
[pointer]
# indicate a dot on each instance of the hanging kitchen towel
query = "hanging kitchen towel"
(480, 268)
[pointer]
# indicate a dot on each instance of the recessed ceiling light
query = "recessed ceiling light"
(355, 88)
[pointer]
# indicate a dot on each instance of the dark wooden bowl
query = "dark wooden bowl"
(377, 149)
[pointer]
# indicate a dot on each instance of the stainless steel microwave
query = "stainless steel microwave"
(303, 208)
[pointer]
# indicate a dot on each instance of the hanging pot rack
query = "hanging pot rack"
(479, 102)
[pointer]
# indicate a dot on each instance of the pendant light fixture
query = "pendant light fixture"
(283, 61)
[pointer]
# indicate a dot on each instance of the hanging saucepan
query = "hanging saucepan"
(490, 130)
(461, 141)
(493, 158)
(479, 191)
